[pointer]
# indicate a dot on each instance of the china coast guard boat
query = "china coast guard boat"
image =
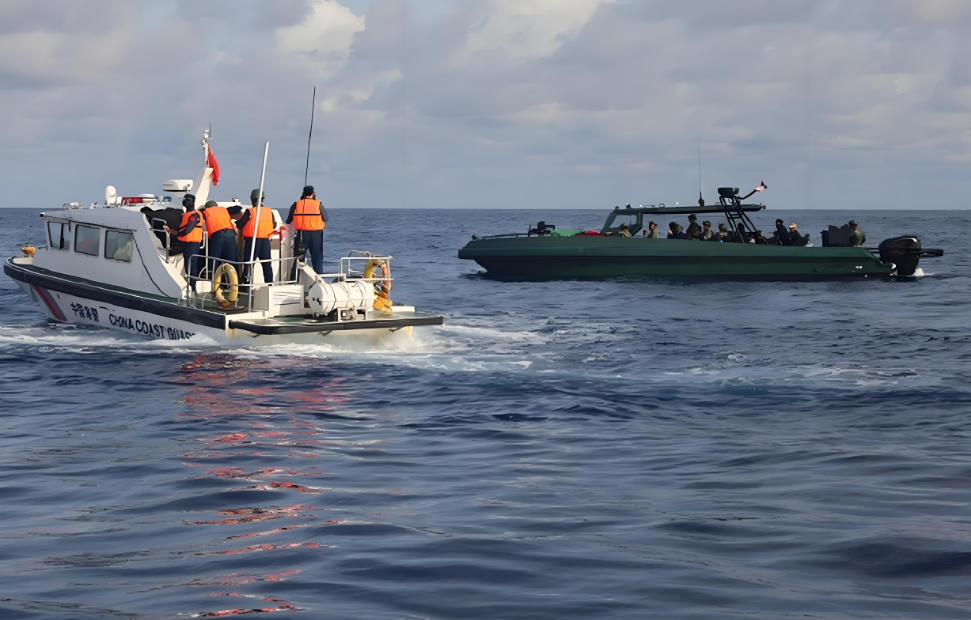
(113, 265)
(545, 253)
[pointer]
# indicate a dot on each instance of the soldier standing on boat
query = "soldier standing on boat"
(694, 231)
(857, 238)
(260, 233)
(781, 232)
(651, 232)
(190, 234)
(309, 217)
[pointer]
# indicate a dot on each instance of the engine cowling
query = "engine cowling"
(904, 252)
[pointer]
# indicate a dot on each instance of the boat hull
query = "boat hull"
(539, 258)
(83, 303)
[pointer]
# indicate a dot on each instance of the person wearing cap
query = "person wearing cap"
(309, 217)
(857, 238)
(190, 234)
(796, 239)
(222, 234)
(258, 232)
(651, 232)
(694, 231)
(706, 232)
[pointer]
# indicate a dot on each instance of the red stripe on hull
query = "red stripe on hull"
(45, 296)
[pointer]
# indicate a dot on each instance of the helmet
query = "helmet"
(692, 217)
(253, 194)
(211, 203)
(722, 227)
(853, 223)
(706, 223)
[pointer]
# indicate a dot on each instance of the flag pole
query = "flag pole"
(256, 227)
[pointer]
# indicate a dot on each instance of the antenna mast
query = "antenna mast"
(701, 200)
(313, 104)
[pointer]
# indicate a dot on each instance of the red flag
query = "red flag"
(212, 163)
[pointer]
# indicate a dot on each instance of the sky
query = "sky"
(849, 104)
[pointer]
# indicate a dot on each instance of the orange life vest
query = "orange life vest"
(307, 215)
(266, 223)
(217, 218)
(195, 235)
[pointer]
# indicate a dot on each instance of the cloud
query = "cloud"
(326, 32)
(530, 29)
(566, 103)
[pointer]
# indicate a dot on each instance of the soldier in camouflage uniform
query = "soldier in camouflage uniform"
(857, 238)
(694, 231)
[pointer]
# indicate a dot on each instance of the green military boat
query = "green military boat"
(545, 253)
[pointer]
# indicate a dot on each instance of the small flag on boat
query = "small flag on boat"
(212, 163)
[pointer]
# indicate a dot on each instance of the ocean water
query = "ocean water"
(630, 448)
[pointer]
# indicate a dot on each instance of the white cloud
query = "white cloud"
(327, 31)
(531, 29)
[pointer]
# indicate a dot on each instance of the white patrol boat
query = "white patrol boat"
(113, 265)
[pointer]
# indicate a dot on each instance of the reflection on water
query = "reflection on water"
(623, 450)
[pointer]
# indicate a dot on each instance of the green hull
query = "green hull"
(532, 258)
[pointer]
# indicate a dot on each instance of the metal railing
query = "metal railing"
(349, 273)
(211, 265)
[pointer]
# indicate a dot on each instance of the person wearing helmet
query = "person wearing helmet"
(257, 233)
(309, 217)
(722, 234)
(857, 238)
(694, 231)
(781, 236)
(706, 232)
(190, 234)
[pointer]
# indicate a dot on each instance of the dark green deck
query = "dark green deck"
(600, 257)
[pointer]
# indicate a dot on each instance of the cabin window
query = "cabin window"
(60, 236)
(119, 245)
(87, 240)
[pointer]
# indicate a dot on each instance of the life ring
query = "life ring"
(231, 278)
(381, 300)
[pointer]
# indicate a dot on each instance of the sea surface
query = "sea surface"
(633, 448)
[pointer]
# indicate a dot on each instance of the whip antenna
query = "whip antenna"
(313, 103)
(701, 200)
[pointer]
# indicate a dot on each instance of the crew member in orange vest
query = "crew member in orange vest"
(190, 234)
(222, 233)
(261, 232)
(309, 217)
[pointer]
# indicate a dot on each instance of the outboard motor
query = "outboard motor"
(904, 252)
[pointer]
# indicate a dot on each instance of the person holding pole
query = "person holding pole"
(258, 232)
(309, 217)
